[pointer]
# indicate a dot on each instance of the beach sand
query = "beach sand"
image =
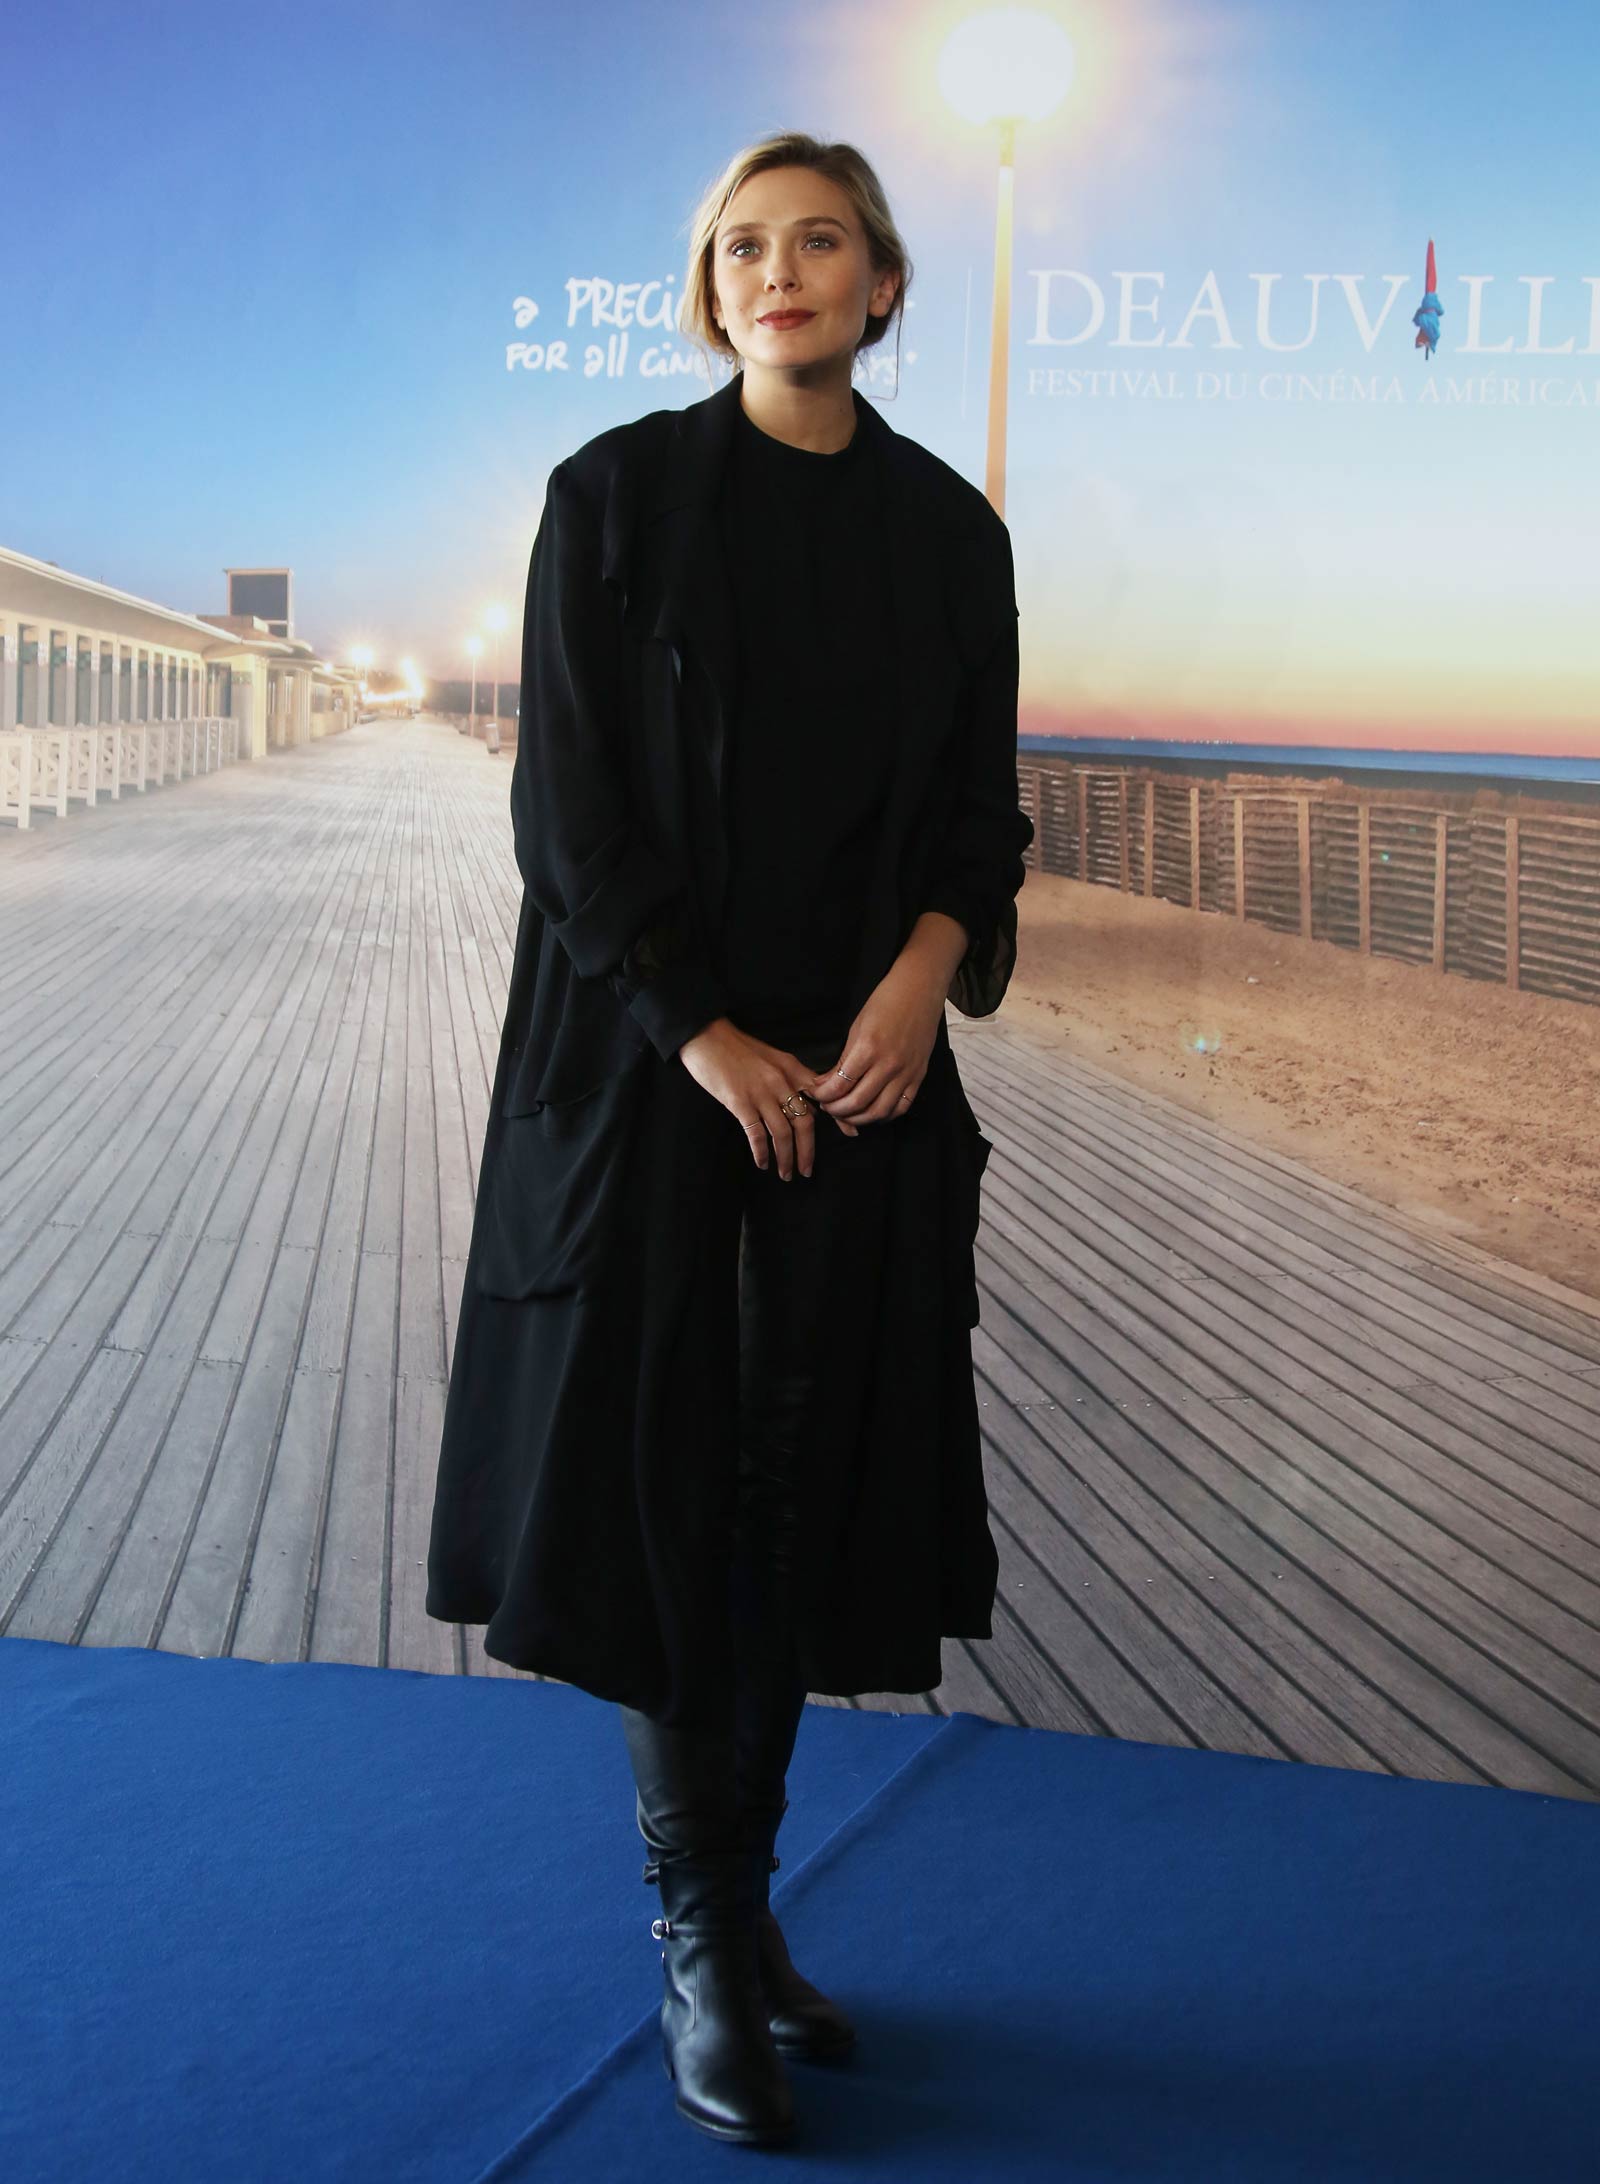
(1469, 1108)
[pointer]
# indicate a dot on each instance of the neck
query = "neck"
(819, 416)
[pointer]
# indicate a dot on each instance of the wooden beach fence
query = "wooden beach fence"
(1481, 883)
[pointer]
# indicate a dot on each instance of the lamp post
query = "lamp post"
(494, 618)
(361, 657)
(999, 69)
(474, 647)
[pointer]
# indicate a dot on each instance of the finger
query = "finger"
(781, 1131)
(828, 1085)
(843, 1121)
(859, 1098)
(832, 1085)
(895, 1098)
(805, 1139)
(800, 1078)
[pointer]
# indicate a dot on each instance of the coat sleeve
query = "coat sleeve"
(976, 871)
(613, 901)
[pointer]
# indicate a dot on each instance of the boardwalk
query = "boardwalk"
(1270, 1470)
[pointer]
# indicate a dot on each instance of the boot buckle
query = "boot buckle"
(660, 1928)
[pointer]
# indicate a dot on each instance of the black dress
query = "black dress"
(811, 745)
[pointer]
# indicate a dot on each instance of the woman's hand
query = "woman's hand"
(885, 1057)
(752, 1080)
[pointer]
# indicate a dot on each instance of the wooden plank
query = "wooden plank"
(1364, 875)
(1150, 834)
(1221, 1206)
(1249, 1170)
(1513, 904)
(1321, 1584)
(1286, 1619)
(1260, 1330)
(1303, 832)
(1441, 876)
(1271, 1469)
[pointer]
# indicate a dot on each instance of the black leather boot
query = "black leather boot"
(803, 2021)
(769, 1690)
(715, 2040)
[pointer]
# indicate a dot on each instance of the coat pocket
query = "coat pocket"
(552, 1196)
(592, 1040)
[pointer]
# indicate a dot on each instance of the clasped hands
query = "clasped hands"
(885, 1059)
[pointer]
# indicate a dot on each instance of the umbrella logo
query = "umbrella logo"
(1425, 318)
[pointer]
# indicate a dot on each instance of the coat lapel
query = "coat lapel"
(695, 610)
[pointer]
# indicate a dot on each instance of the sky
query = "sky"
(265, 274)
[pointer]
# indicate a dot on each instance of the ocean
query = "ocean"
(1479, 765)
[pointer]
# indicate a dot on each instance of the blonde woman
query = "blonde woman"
(711, 1439)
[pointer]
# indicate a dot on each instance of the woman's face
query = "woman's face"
(790, 240)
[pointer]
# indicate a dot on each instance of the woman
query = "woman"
(711, 1442)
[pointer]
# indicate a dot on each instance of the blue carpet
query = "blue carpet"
(280, 1922)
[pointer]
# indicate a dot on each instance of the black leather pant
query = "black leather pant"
(787, 1232)
(782, 1268)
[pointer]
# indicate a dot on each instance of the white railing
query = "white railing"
(50, 769)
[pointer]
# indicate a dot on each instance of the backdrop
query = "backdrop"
(336, 285)
(1289, 1360)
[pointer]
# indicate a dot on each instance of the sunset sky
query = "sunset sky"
(264, 270)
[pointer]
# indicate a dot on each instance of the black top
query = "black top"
(810, 745)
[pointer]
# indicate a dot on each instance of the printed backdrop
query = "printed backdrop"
(334, 286)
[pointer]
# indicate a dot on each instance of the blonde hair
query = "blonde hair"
(841, 163)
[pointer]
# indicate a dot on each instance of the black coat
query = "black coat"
(587, 1441)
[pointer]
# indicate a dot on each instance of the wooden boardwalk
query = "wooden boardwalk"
(1271, 1470)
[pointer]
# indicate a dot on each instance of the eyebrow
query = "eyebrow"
(817, 219)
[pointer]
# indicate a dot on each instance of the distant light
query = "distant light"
(1009, 64)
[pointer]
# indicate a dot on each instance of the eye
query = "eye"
(818, 237)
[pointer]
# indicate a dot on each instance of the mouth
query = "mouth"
(780, 319)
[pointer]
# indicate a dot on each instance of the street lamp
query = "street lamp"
(1001, 68)
(361, 656)
(474, 647)
(495, 618)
